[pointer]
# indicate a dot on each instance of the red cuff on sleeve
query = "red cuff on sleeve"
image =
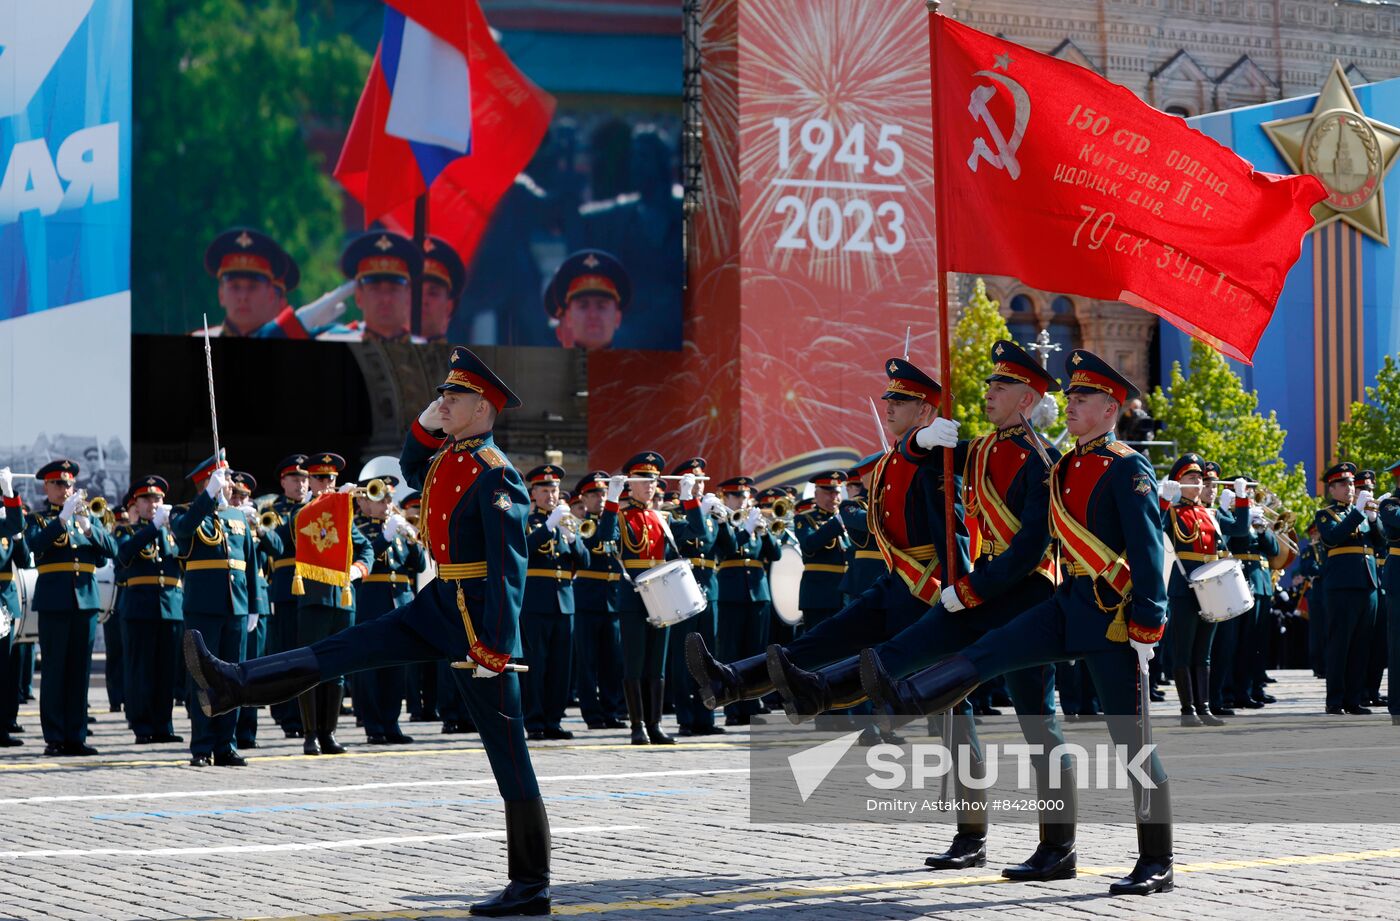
(287, 322)
(1242, 502)
(1142, 634)
(966, 593)
(610, 506)
(689, 504)
(364, 570)
(425, 438)
(12, 502)
(1164, 504)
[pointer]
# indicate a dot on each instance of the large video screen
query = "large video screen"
(243, 220)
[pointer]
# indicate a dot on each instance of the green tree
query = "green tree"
(1209, 412)
(227, 95)
(1371, 437)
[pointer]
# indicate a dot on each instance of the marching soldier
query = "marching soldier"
(1109, 610)
(1350, 538)
(821, 534)
(1191, 525)
(269, 545)
(398, 558)
(282, 625)
(1389, 515)
(443, 278)
(69, 545)
(12, 556)
(597, 634)
(1005, 490)
(219, 551)
(744, 594)
(473, 516)
(152, 610)
(907, 518)
(1376, 642)
(326, 565)
(1239, 661)
(696, 528)
(645, 541)
(547, 613)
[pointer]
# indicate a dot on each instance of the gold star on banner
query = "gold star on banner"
(1350, 152)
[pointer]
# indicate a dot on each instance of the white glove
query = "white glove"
(1363, 496)
(951, 601)
(70, 508)
(84, 524)
(250, 511)
(1241, 486)
(940, 433)
(161, 516)
(356, 573)
(752, 519)
(394, 525)
(217, 481)
(1170, 490)
(1227, 498)
(1283, 596)
(325, 309)
(252, 621)
(556, 516)
(7, 483)
(348, 487)
(1370, 514)
(1144, 653)
(710, 503)
(428, 418)
(615, 487)
(688, 487)
(1256, 515)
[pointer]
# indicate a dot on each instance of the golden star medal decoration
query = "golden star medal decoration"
(1348, 151)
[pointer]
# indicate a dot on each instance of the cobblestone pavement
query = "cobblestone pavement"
(638, 833)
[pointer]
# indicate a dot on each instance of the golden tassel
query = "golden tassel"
(298, 586)
(1118, 630)
(346, 599)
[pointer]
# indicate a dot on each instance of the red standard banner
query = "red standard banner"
(1056, 176)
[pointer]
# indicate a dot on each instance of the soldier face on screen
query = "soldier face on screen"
(545, 496)
(903, 415)
(735, 500)
(1343, 491)
(1090, 414)
(589, 322)
(295, 486)
(643, 491)
(249, 301)
(825, 498)
(386, 305)
(321, 484)
(593, 501)
(437, 309)
(1006, 402)
(146, 507)
(57, 491)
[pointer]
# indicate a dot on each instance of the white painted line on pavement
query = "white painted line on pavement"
(294, 845)
(384, 785)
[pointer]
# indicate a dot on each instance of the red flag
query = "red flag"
(509, 117)
(1072, 184)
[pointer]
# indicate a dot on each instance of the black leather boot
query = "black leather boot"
(632, 690)
(329, 695)
(225, 686)
(809, 694)
(1055, 856)
(310, 709)
(1200, 687)
(656, 695)
(721, 684)
(933, 690)
(1153, 871)
(1187, 699)
(527, 859)
(969, 847)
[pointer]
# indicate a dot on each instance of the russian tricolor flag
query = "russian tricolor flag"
(444, 111)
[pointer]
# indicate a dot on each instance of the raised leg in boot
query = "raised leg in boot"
(527, 858)
(225, 686)
(632, 690)
(722, 684)
(656, 694)
(807, 694)
(933, 690)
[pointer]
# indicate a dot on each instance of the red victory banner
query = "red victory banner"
(1052, 174)
(324, 548)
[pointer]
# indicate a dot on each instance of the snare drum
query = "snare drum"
(670, 593)
(1221, 590)
(26, 627)
(785, 581)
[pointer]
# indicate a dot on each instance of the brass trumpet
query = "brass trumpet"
(269, 520)
(375, 490)
(584, 528)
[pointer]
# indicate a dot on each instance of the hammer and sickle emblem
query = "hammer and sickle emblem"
(1005, 155)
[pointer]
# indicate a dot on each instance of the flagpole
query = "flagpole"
(950, 565)
(420, 236)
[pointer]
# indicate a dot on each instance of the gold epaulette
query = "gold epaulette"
(491, 457)
(1121, 449)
